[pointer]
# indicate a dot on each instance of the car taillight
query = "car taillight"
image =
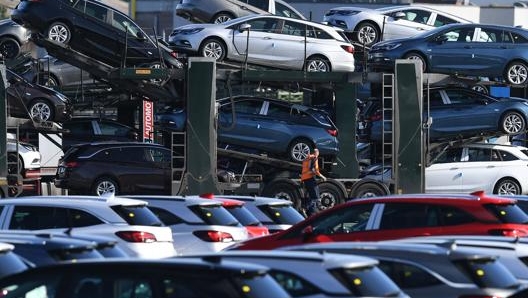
(349, 49)
(71, 164)
(508, 232)
(214, 236)
(136, 236)
(332, 132)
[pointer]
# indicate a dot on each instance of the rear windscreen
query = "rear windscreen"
(508, 213)
(138, 215)
(281, 214)
(244, 216)
(487, 273)
(215, 215)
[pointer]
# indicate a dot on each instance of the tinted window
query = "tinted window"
(244, 216)
(293, 28)
(509, 213)
(295, 285)
(36, 218)
(79, 128)
(407, 276)
(96, 11)
(80, 218)
(518, 38)
(367, 281)
(401, 216)
(281, 214)
(113, 129)
(344, 220)
(262, 4)
(168, 218)
(73, 254)
(487, 273)
(442, 20)
(449, 155)
(282, 10)
(215, 215)
(137, 215)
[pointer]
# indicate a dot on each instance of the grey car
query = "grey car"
(219, 11)
(368, 26)
(314, 275)
(52, 72)
(198, 225)
(273, 41)
(13, 38)
(428, 270)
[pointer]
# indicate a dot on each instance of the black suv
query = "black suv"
(118, 167)
(94, 29)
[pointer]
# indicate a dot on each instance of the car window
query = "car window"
(243, 215)
(168, 218)
(441, 20)
(277, 111)
(415, 15)
(38, 217)
(403, 216)
(366, 281)
(124, 24)
(244, 106)
(459, 35)
(407, 276)
(449, 155)
(262, 4)
(264, 25)
(215, 215)
(283, 10)
(295, 285)
(479, 154)
(281, 214)
(96, 11)
(129, 155)
(489, 35)
(508, 213)
(460, 97)
(518, 38)
(293, 28)
(158, 155)
(487, 273)
(137, 215)
(79, 128)
(346, 220)
(113, 129)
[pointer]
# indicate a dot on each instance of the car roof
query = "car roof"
(258, 200)
(73, 200)
(478, 196)
(187, 200)
(254, 16)
(44, 239)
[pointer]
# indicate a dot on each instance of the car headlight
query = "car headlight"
(386, 47)
(186, 31)
(62, 97)
(347, 12)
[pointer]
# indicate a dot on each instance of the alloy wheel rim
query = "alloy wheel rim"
(213, 50)
(513, 124)
(58, 33)
(105, 187)
(41, 112)
(317, 66)
(300, 151)
(518, 74)
(367, 35)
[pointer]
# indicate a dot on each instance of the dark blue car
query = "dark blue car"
(259, 124)
(465, 49)
(460, 112)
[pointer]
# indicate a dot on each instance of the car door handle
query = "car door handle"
(452, 169)
(490, 167)
(267, 38)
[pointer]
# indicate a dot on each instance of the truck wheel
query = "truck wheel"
(284, 189)
(330, 195)
(369, 188)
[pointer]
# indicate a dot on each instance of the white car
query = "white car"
(368, 26)
(198, 225)
(493, 168)
(21, 157)
(274, 41)
(137, 230)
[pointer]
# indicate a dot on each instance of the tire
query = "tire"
(516, 73)
(105, 185)
(284, 189)
(368, 189)
(48, 80)
(480, 88)
(214, 48)
(9, 48)
(299, 149)
(318, 64)
(507, 186)
(40, 110)
(59, 32)
(512, 123)
(418, 57)
(330, 195)
(367, 34)
(221, 18)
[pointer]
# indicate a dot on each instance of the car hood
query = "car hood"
(50, 92)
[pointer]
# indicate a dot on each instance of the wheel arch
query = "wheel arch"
(368, 22)
(318, 55)
(107, 176)
(523, 115)
(507, 178)
(220, 39)
(5, 36)
(228, 12)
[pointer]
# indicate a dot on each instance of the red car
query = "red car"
(398, 216)
(238, 209)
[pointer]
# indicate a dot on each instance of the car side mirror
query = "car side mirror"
(244, 27)
(399, 15)
(441, 39)
(140, 36)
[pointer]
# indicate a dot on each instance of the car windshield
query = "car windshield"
(487, 273)
(74, 254)
(137, 215)
(281, 214)
(366, 281)
(508, 213)
(215, 215)
(244, 216)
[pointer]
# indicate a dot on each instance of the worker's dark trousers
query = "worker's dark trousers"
(313, 195)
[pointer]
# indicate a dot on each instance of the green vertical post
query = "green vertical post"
(200, 176)
(345, 110)
(3, 133)
(408, 147)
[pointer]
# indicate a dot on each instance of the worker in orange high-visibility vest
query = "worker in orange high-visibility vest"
(310, 170)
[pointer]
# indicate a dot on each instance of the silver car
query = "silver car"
(274, 41)
(368, 26)
(198, 225)
(22, 158)
(220, 11)
(429, 271)
(315, 275)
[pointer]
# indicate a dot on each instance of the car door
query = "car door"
(411, 219)
(449, 50)
(277, 126)
(415, 21)
(160, 160)
(92, 28)
(262, 38)
(479, 172)
(16, 95)
(444, 175)
(294, 44)
(489, 52)
(238, 123)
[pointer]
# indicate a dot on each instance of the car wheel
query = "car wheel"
(213, 48)
(9, 48)
(317, 64)
(418, 57)
(329, 195)
(367, 189)
(513, 123)
(299, 149)
(507, 186)
(222, 18)
(105, 185)
(40, 110)
(517, 73)
(367, 34)
(48, 80)
(59, 32)
(480, 88)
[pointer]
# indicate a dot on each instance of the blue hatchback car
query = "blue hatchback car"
(461, 112)
(465, 49)
(277, 127)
